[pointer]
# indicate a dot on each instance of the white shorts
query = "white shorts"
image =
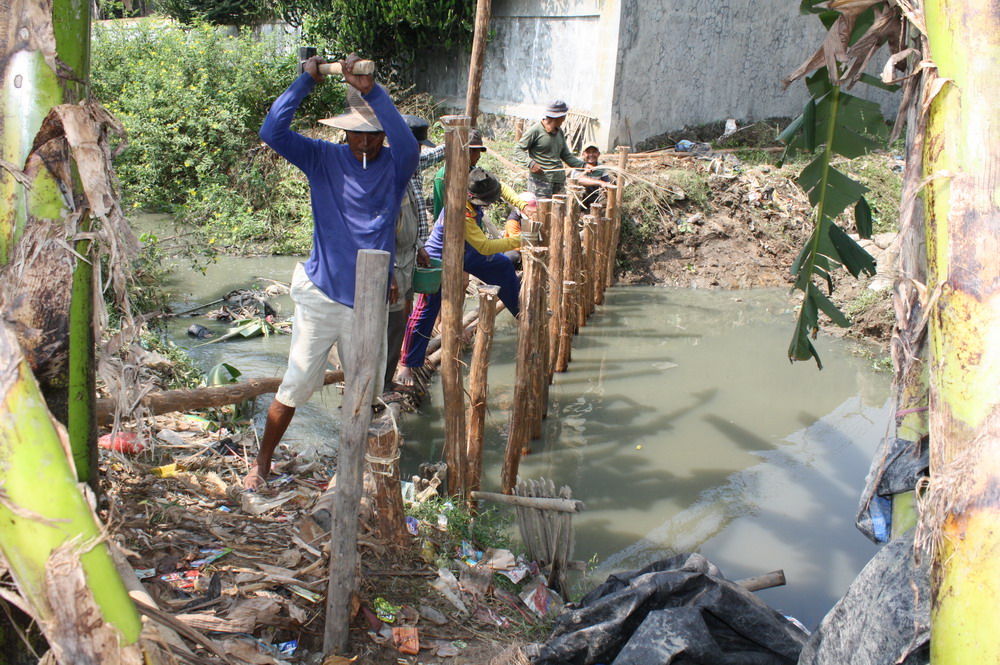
(317, 324)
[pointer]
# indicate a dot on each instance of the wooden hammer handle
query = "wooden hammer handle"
(361, 67)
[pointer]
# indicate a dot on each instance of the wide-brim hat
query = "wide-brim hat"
(484, 189)
(359, 117)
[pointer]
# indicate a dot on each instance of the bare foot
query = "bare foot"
(254, 480)
(405, 377)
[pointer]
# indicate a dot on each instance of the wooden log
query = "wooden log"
(488, 296)
(526, 362)
(540, 371)
(456, 175)
(383, 465)
(555, 280)
(369, 334)
(476, 61)
(518, 129)
(765, 581)
(169, 401)
(587, 295)
(606, 258)
(566, 326)
(571, 251)
(601, 253)
(540, 503)
(616, 220)
(544, 210)
(612, 211)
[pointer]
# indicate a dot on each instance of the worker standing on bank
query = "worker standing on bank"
(542, 149)
(356, 189)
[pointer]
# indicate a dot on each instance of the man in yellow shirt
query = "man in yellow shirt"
(484, 258)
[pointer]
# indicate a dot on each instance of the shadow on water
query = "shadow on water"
(680, 424)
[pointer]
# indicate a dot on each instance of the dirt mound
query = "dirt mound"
(712, 221)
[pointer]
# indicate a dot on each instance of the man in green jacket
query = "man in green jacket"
(543, 150)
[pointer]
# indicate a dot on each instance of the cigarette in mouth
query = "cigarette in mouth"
(364, 161)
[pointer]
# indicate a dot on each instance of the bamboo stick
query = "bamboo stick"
(539, 503)
(368, 333)
(453, 296)
(478, 384)
(555, 281)
(566, 326)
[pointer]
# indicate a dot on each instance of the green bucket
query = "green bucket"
(428, 280)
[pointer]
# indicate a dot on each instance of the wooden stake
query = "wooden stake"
(566, 326)
(476, 62)
(612, 211)
(356, 413)
(526, 365)
(587, 285)
(518, 129)
(540, 367)
(571, 254)
(555, 280)
(616, 220)
(601, 243)
(383, 464)
(456, 128)
(488, 296)
(544, 210)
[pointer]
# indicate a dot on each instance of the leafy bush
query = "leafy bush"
(387, 31)
(192, 101)
(216, 12)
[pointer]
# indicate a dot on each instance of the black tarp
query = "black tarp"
(679, 610)
(883, 619)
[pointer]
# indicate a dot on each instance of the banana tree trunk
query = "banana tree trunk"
(51, 540)
(962, 161)
(48, 61)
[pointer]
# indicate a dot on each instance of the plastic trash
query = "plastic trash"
(122, 442)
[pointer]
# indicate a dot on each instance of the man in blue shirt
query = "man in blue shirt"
(356, 189)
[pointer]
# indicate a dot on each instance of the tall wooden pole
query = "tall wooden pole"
(476, 62)
(540, 331)
(478, 384)
(556, 230)
(456, 183)
(612, 212)
(589, 267)
(600, 252)
(368, 334)
(571, 256)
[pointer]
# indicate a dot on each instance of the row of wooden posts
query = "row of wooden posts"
(568, 261)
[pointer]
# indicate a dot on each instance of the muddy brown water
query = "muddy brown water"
(680, 424)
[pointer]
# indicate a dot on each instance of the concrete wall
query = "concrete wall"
(685, 62)
(639, 68)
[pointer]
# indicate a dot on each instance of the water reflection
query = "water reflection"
(680, 424)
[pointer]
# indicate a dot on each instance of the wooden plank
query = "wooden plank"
(540, 503)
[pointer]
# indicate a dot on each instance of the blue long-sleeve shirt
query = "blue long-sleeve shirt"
(353, 208)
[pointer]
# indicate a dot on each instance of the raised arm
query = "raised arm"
(277, 128)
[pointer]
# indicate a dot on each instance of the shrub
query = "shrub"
(192, 101)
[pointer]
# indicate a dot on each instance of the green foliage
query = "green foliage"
(215, 12)
(192, 101)
(385, 31)
(844, 125)
(486, 529)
